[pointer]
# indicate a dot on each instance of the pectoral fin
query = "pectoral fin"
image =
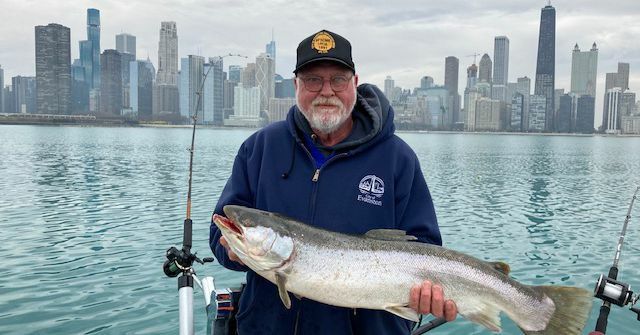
(281, 282)
(484, 314)
(403, 312)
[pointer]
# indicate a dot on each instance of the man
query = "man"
(336, 164)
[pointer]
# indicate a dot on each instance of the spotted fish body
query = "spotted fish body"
(377, 271)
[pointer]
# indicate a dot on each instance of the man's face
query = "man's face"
(327, 109)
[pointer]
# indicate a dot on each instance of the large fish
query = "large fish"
(378, 269)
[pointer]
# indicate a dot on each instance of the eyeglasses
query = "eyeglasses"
(315, 83)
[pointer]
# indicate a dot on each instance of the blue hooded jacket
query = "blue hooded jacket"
(372, 180)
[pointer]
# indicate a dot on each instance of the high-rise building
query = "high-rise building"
(6, 92)
(523, 86)
(426, 82)
(24, 94)
(611, 81)
(270, 48)
(126, 43)
(389, 84)
(517, 113)
(279, 107)
(93, 35)
(451, 73)
(248, 78)
(623, 76)
(142, 75)
(166, 97)
(537, 113)
(79, 89)
(584, 70)
(484, 70)
(2, 90)
(488, 114)
(471, 99)
(110, 82)
(585, 113)
(565, 114)
(627, 103)
(472, 76)
(545, 67)
(265, 79)
(246, 106)
(611, 116)
(500, 68)
(191, 73)
(235, 73)
(53, 69)
(213, 95)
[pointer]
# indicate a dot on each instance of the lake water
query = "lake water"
(86, 215)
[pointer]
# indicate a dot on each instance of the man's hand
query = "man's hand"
(232, 255)
(428, 298)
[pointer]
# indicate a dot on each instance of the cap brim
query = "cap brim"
(332, 59)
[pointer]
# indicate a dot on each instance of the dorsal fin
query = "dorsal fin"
(389, 235)
(501, 267)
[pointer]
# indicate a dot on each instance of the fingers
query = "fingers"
(450, 310)
(428, 298)
(232, 255)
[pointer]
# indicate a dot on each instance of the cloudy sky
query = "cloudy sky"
(403, 39)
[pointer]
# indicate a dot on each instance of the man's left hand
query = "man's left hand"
(428, 298)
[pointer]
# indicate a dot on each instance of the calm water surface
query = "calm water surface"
(86, 215)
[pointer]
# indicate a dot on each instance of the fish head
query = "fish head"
(258, 241)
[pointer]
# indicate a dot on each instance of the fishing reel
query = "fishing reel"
(616, 292)
(179, 261)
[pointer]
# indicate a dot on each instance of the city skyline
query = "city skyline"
(431, 31)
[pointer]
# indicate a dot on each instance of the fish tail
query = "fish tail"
(573, 306)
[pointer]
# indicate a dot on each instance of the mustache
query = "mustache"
(326, 101)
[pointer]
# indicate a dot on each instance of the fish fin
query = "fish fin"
(281, 282)
(486, 315)
(572, 308)
(389, 235)
(403, 312)
(501, 267)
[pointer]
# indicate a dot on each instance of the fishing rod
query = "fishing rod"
(609, 289)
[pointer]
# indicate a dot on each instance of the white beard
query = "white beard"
(325, 120)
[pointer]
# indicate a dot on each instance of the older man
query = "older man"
(335, 163)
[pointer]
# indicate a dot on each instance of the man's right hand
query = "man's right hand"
(232, 255)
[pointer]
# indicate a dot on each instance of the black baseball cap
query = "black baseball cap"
(324, 46)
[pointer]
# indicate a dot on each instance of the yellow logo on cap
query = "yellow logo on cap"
(323, 42)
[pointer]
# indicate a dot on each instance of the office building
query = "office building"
(213, 94)
(500, 68)
(279, 107)
(537, 113)
(517, 113)
(126, 43)
(611, 116)
(565, 113)
(2, 90)
(93, 36)
(623, 76)
(265, 79)
(166, 96)
(191, 73)
(451, 72)
(23, 90)
(484, 70)
(487, 115)
(53, 69)
(141, 77)
(545, 66)
(584, 71)
(585, 113)
(110, 83)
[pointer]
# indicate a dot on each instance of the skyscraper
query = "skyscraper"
(545, 68)
(235, 73)
(451, 72)
(623, 76)
(585, 110)
(110, 82)
(79, 89)
(24, 94)
(484, 71)
(166, 90)
(126, 43)
(142, 74)
(93, 35)
(53, 69)
(523, 87)
(389, 84)
(212, 97)
(584, 69)
(1, 90)
(472, 75)
(426, 82)
(191, 73)
(265, 72)
(500, 68)
(271, 48)
(611, 116)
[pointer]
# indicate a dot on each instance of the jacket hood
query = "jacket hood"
(372, 121)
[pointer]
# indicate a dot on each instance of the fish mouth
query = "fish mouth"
(228, 225)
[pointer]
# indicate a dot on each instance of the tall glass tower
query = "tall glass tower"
(93, 35)
(546, 69)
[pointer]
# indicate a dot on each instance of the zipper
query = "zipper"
(316, 175)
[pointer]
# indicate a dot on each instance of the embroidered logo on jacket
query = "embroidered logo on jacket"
(371, 190)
